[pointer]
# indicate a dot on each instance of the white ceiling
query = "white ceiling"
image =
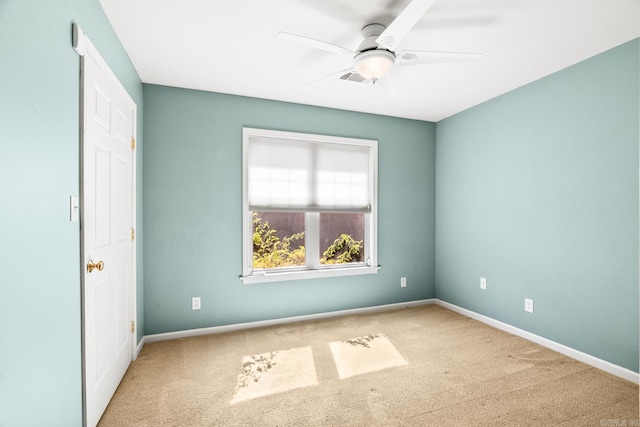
(230, 47)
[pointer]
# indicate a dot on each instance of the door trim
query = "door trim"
(83, 46)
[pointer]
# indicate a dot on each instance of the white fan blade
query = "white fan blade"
(394, 34)
(332, 76)
(418, 57)
(387, 85)
(316, 44)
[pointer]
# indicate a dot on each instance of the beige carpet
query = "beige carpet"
(423, 366)
(275, 372)
(363, 355)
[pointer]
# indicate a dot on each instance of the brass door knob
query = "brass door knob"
(98, 266)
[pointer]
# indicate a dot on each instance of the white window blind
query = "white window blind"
(290, 174)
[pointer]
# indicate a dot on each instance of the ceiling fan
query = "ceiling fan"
(378, 52)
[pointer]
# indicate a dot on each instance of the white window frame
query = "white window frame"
(312, 270)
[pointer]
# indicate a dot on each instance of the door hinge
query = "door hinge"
(133, 326)
(133, 142)
(133, 234)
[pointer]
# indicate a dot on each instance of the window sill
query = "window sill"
(307, 274)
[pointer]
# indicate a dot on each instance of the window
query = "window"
(309, 206)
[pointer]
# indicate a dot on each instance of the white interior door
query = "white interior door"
(108, 198)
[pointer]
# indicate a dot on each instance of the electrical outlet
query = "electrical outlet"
(195, 303)
(403, 282)
(528, 305)
(483, 283)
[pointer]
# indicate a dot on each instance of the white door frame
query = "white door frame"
(83, 46)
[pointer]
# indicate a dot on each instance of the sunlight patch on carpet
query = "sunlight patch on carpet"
(275, 372)
(365, 354)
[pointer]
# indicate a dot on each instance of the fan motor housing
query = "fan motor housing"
(370, 33)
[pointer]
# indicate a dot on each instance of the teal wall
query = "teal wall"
(537, 191)
(193, 204)
(40, 338)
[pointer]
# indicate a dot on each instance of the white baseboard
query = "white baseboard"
(139, 347)
(263, 323)
(560, 348)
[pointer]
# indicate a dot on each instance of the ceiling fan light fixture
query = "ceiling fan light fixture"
(374, 64)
